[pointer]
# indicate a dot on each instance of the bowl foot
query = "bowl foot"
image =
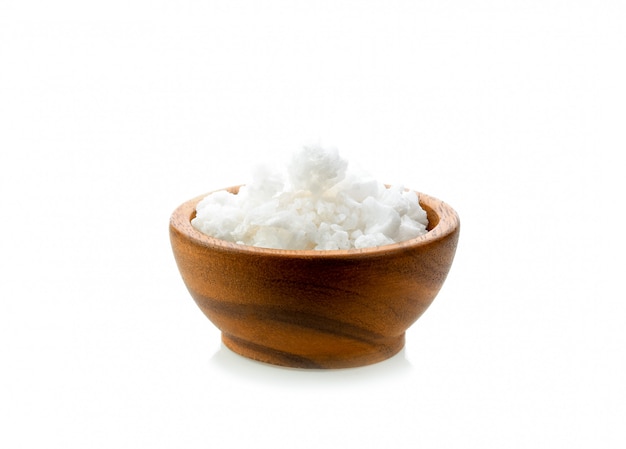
(341, 356)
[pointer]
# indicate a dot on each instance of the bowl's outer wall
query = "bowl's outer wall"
(312, 311)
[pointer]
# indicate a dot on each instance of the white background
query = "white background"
(113, 113)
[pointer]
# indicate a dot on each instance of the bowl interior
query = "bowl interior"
(433, 221)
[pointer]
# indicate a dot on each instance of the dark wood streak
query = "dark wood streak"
(312, 288)
(264, 353)
(306, 320)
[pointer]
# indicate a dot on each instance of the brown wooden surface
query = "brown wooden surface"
(315, 309)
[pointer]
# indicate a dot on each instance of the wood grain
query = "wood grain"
(315, 309)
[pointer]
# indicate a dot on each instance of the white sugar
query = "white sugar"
(318, 204)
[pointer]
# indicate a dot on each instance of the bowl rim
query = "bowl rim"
(447, 223)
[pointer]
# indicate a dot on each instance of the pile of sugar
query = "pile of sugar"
(320, 205)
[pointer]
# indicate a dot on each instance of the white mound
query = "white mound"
(319, 204)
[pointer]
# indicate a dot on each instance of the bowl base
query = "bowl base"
(346, 359)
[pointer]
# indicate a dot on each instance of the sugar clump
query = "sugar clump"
(319, 204)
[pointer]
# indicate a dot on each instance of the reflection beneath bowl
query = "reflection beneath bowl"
(238, 366)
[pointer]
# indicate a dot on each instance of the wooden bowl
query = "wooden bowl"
(315, 309)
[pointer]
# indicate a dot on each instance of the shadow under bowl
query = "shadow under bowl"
(315, 309)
